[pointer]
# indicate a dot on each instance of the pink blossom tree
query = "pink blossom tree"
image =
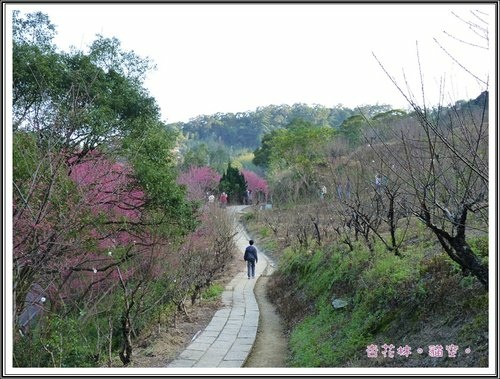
(199, 181)
(256, 184)
(82, 234)
(94, 196)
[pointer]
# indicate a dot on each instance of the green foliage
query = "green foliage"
(245, 130)
(244, 160)
(352, 129)
(107, 54)
(77, 100)
(212, 292)
(387, 297)
(270, 245)
(234, 184)
(25, 156)
(37, 75)
(265, 232)
(35, 29)
(294, 156)
(300, 145)
(248, 217)
(474, 332)
(387, 284)
(197, 156)
(309, 341)
(62, 343)
(208, 153)
(70, 106)
(262, 155)
(40, 180)
(329, 338)
(480, 246)
(150, 153)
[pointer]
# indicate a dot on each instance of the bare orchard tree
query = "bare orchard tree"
(354, 201)
(372, 198)
(444, 169)
(209, 251)
(444, 165)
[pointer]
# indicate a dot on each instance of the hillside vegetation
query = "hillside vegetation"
(213, 140)
(383, 245)
(419, 299)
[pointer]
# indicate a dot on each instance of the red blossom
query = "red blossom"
(199, 181)
(254, 182)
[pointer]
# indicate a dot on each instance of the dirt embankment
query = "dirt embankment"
(270, 348)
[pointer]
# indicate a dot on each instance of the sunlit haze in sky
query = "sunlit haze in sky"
(236, 57)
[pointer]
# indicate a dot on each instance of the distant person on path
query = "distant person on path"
(223, 200)
(211, 199)
(245, 197)
(251, 258)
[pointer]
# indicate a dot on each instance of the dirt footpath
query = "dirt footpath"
(270, 348)
(159, 348)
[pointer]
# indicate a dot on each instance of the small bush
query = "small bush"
(248, 217)
(213, 292)
(480, 247)
(62, 342)
(264, 232)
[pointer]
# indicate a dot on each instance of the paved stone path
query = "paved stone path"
(228, 339)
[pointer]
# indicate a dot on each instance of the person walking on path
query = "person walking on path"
(251, 258)
(223, 200)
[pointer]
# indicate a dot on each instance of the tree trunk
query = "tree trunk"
(457, 247)
(468, 260)
(126, 352)
(110, 337)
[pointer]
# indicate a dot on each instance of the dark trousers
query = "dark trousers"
(251, 268)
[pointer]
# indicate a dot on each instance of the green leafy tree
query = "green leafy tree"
(208, 153)
(352, 130)
(197, 156)
(297, 152)
(74, 110)
(219, 155)
(107, 54)
(233, 183)
(150, 153)
(301, 145)
(34, 30)
(387, 125)
(262, 155)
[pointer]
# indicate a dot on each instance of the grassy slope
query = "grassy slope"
(418, 300)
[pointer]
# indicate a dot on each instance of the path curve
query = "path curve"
(228, 338)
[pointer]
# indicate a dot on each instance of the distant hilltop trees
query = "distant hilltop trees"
(245, 130)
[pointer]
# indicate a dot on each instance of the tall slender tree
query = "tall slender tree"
(234, 184)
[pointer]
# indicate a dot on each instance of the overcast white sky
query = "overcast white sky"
(235, 57)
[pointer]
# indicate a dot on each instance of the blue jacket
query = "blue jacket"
(250, 254)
